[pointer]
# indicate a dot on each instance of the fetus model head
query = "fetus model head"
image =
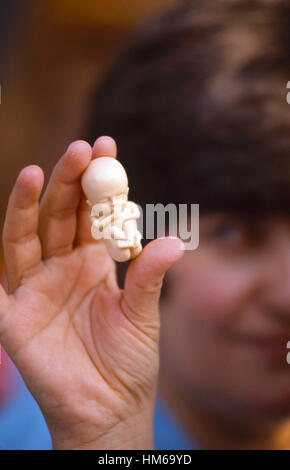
(105, 181)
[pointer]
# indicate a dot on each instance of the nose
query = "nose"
(275, 291)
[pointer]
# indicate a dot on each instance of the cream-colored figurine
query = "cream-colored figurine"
(113, 217)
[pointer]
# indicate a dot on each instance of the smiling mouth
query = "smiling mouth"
(269, 346)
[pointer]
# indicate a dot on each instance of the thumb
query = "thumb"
(145, 276)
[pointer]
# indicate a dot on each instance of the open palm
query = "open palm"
(87, 350)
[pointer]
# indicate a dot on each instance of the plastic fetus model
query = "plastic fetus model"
(113, 217)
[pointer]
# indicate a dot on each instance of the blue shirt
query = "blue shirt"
(22, 426)
(168, 433)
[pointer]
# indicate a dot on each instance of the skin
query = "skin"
(87, 350)
(225, 326)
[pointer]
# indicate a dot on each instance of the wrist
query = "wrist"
(135, 433)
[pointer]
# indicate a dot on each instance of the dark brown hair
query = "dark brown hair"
(197, 104)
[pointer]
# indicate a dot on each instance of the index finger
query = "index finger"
(59, 205)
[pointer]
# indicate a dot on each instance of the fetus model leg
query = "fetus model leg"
(117, 253)
(133, 238)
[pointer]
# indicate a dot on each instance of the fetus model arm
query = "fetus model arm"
(101, 218)
(113, 217)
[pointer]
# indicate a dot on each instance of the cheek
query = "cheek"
(210, 293)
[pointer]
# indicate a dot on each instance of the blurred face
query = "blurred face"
(226, 316)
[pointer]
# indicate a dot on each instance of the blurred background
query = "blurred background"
(53, 53)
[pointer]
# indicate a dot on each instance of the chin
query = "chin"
(270, 407)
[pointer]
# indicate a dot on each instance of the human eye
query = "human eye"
(227, 232)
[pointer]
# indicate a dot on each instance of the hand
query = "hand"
(87, 350)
